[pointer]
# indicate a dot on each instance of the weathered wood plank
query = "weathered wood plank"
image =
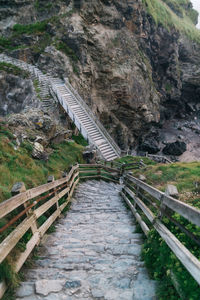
(110, 169)
(94, 177)
(88, 171)
(14, 202)
(189, 212)
(42, 229)
(29, 247)
(73, 187)
(89, 165)
(141, 204)
(43, 208)
(110, 179)
(73, 178)
(146, 187)
(143, 225)
(191, 263)
(10, 241)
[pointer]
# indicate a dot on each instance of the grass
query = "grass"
(79, 139)
(20, 166)
(37, 27)
(37, 88)
(67, 50)
(182, 20)
(135, 159)
(184, 175)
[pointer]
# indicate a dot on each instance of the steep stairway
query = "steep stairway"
(93, 254)
(74, 105)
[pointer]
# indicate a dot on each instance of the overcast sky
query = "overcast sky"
(196, 5)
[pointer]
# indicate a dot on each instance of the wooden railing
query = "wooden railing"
(22, 212)
(149, 205)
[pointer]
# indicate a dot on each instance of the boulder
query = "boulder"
(142, 177)
(150, 145)
(38, 152)
(177, 148)
(89, 155)
(171, 190)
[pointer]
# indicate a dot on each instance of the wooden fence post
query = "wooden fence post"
(51, 179)
(99, 171)
(18, 188)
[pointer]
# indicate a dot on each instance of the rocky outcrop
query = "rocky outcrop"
(134, 74)
(40, 130)
(177, 148)
(16, 94)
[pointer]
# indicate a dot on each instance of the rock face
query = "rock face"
(177, 148)
(16, 93)
(133, 73)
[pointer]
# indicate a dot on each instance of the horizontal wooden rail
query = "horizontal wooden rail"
(14, 202)
(187, 211)
(138, 191)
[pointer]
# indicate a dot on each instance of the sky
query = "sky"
(196, 5)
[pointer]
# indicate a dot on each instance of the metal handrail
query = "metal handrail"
(104, 131)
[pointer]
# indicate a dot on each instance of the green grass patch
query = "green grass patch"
(135, 159)
(11, 69)
(20, 166)
(79, 139)
(61, 46)
(37, 27)
(184, 175)
(183, 20)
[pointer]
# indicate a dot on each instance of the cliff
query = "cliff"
(136, 63)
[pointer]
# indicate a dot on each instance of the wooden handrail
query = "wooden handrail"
(56, 190)
(189, 212)
(136, 190)
(15, 201)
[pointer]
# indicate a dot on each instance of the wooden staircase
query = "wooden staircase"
(82, 116)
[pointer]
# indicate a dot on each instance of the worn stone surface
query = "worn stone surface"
(45, 287)
(16, 93)
(94, 253)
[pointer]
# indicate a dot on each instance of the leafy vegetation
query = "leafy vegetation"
(18, 165)
(174, 14)
(164, 266)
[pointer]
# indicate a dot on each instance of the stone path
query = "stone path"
(94, 253)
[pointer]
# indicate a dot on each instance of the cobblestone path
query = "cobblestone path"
(94, 253)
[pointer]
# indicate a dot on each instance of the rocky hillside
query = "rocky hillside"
(136, 63)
